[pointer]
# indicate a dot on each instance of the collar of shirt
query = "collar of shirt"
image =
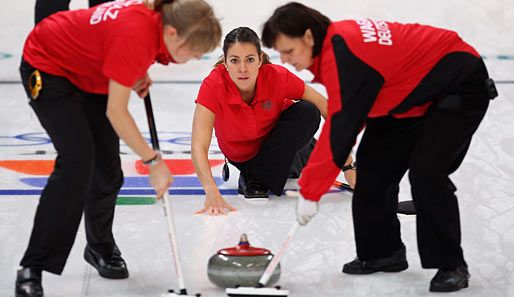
(163, 56)
(234, 97)
(315, 68)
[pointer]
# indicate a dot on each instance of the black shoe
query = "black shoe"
(406, 207)
(28, 283)
(112, 266)
(395, 263)
(251, 189)
(450, 280)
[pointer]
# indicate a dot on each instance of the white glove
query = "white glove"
(305, 209)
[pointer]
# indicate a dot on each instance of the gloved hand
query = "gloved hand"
(305, 210)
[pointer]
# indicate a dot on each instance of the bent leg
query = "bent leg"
(293, 132)
(107, 176)
(441, 147)
(61, 204)
(383, 160)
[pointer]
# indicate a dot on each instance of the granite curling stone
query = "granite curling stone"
(242, 265)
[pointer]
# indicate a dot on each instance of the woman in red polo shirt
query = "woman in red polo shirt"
(422, 93)
(259, 128)
(78, 70)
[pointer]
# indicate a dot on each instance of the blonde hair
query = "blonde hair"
(194, 21)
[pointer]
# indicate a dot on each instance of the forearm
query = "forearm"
(321, 170)
(203, 124)
(199, 155)
(123, 123)
(126, 128)
(349, 160)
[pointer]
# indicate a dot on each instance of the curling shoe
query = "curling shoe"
(28, 283)
(450, 280)
(112, 266)
(394, 263)
(251, 189)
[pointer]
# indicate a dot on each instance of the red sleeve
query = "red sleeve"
(126, 59)
(207, 97)
(352, 88)
(294, 87)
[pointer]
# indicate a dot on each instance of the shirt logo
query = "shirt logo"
(373, 30)
(267, 105)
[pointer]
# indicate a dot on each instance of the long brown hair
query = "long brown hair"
(194, 20)
(243, 35)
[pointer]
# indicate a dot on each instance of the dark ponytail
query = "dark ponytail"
(242, 35)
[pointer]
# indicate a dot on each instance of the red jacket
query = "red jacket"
(371, 69)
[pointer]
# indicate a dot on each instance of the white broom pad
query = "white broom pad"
(249, 291)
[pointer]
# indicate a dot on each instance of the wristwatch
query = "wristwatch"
(153, 160)
(352, 165)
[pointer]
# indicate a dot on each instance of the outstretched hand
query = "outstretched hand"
(215, 205)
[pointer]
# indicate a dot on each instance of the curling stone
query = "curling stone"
(242, 265)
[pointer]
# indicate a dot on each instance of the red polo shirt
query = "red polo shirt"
(241, 128)
(116, 40)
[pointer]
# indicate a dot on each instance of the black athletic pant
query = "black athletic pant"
(431, 147)
(45, 8)
(286, 151)
(87, 175)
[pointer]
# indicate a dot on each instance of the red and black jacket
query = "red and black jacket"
(375, 68)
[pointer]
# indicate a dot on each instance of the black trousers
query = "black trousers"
(431, 148)
(286, 151)
(45, 8)
(86, 178)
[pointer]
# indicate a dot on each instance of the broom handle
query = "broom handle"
(173, 241)
(165, 199)
(151, 123)
(274, 262)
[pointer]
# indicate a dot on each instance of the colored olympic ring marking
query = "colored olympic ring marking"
(41, 138)
(27, 137)
(180, 140)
